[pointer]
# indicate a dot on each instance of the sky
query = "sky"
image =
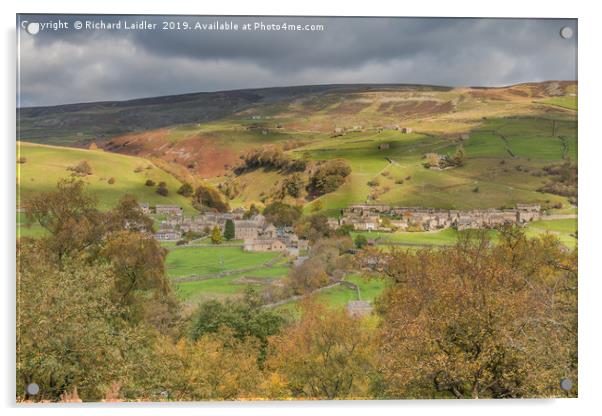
(61, 65)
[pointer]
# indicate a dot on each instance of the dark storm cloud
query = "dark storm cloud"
(73, 66)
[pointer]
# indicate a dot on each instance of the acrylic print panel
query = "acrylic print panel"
(275, 208)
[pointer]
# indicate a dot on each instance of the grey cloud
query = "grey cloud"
(75, 66)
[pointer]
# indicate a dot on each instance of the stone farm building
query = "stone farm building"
(264, 244)
(168, 210)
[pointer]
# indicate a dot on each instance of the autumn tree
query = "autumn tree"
(216, 235)
(69, 331)
(328, 176)
(252, 211)
(479, 319)
(186, 190)
(313, 227)
(217, 366)
(128, 214)
(120, 238)
(244, 318)
(70, 217)
(281, 214)
(292, 185)
(327, 354)
(207, 198)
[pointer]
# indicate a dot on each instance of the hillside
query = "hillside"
(509, 136)
(74, 124)
(44, 165)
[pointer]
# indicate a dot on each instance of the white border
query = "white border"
(590, 158)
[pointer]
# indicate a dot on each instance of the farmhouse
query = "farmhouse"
(168, 210)
(406, 130)
(168, 235)
(246, 229)
(264, 244)
(383, 146)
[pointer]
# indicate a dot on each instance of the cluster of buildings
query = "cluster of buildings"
(370, 217)
(257, 233)
(339, 131)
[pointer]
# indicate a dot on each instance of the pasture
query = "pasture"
(45, 165)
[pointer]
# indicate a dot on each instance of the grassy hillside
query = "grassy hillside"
(503, 163)
(45, 165)
(509, 135)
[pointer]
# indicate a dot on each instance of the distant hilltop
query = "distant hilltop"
(106, 119)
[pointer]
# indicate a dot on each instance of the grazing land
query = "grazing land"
(45, 165)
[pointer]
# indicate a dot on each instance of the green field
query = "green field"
(45, 165)
(501, 156)
(564, 229)
(210, 260)
(447, 236)
(569, 102)
(200, 261)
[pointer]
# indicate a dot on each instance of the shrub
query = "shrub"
(162, 189)
(111, 180)
(83, 168)
(22, 160)
(361, 241)
(186, 190)
(373, 182)
(149, 182)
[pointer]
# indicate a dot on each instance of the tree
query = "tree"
(281, 214)
(149, 182)
(313, 227)
(327, 355)
(70, 217)
(118, 238)
(127, 214)
(70, 334)
(328, 176)
(479, 320)
(252, 211)
(229, 230)
(206, 197)
(162, 189)
(293, 185)
(459, 156)
(243, 318)
(186, 190)
(361, 241)
(217, 366)
(216, 235)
